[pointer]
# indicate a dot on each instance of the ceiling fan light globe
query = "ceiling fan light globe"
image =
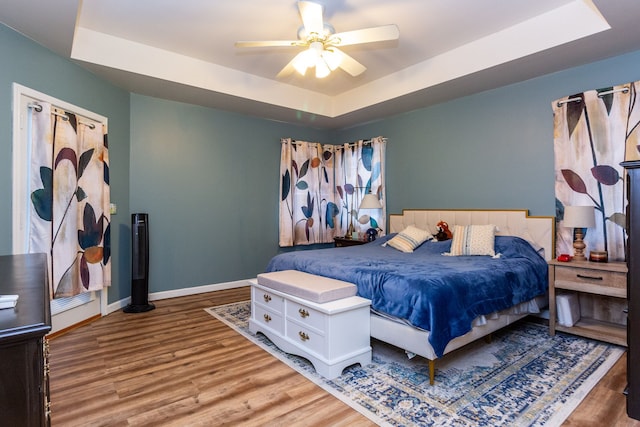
(306, 59)
(322, 70)
(332, 59)
(300, 66)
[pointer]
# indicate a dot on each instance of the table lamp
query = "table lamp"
(579, 217)
(370, 201)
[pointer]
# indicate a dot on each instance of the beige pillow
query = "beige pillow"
(473, 240)
(409, 239)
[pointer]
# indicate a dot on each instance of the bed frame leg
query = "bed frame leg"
(432, 371)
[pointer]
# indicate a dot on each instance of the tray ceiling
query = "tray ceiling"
(185, 50)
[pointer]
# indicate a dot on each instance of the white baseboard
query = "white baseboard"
(181, 293)
(66, 318)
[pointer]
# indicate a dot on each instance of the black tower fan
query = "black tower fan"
(139, 265)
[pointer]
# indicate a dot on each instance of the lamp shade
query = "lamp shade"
(579, 216)
(369, 201)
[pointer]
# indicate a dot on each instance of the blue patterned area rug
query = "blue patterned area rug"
(523, 377)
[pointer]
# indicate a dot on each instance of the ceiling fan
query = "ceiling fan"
(322, 42)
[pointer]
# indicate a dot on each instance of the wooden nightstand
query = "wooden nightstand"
(602, 293)
(340, 242)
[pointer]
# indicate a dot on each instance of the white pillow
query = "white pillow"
(473, 240)
(409, 239)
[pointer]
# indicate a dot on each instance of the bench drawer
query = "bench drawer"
(268, 299)
(306, 337)
(268, 318)
(307, 316)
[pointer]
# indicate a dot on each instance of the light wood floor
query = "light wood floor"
(178, 366)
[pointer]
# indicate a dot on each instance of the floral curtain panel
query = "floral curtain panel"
(70, 198)
(307, 210)
(360, 170)
(594, 132)
(321, 188)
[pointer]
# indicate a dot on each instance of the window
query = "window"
(28, 177)
(322, 186)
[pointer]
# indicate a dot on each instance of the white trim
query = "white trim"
(71, 317)
(174, 293)
(60, 305)
(19, 162)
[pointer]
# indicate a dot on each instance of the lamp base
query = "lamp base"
(578, 247)
(579, 257)
(350, 232)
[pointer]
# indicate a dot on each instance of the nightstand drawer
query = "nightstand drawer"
(579, 276)
(602, 298)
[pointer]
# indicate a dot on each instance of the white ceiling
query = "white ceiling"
(184, 50)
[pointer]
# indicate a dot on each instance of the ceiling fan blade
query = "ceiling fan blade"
(268, 43)
(311, 14)
(347, 63)
(366, 35)
(290, 67)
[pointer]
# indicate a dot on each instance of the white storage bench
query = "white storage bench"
(315, 317)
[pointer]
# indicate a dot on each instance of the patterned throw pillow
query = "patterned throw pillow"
(473, 240)
(409, 239)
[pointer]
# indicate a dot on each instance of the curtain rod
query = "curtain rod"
(365, 141)
(609, 92)
(65, 117)
(566, 101)
(600, 95)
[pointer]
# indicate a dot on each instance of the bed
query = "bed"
(430, 304)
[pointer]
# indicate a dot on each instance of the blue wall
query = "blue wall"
(209, 181)
(489, 150)
(31, 65)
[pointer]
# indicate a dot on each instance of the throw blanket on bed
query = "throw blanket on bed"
(441, 294)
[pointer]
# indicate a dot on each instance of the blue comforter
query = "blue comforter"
(441, 294)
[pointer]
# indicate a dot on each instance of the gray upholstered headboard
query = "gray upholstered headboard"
(539, 230)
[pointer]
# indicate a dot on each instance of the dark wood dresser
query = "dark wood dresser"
(633, 288)
(24, 382)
